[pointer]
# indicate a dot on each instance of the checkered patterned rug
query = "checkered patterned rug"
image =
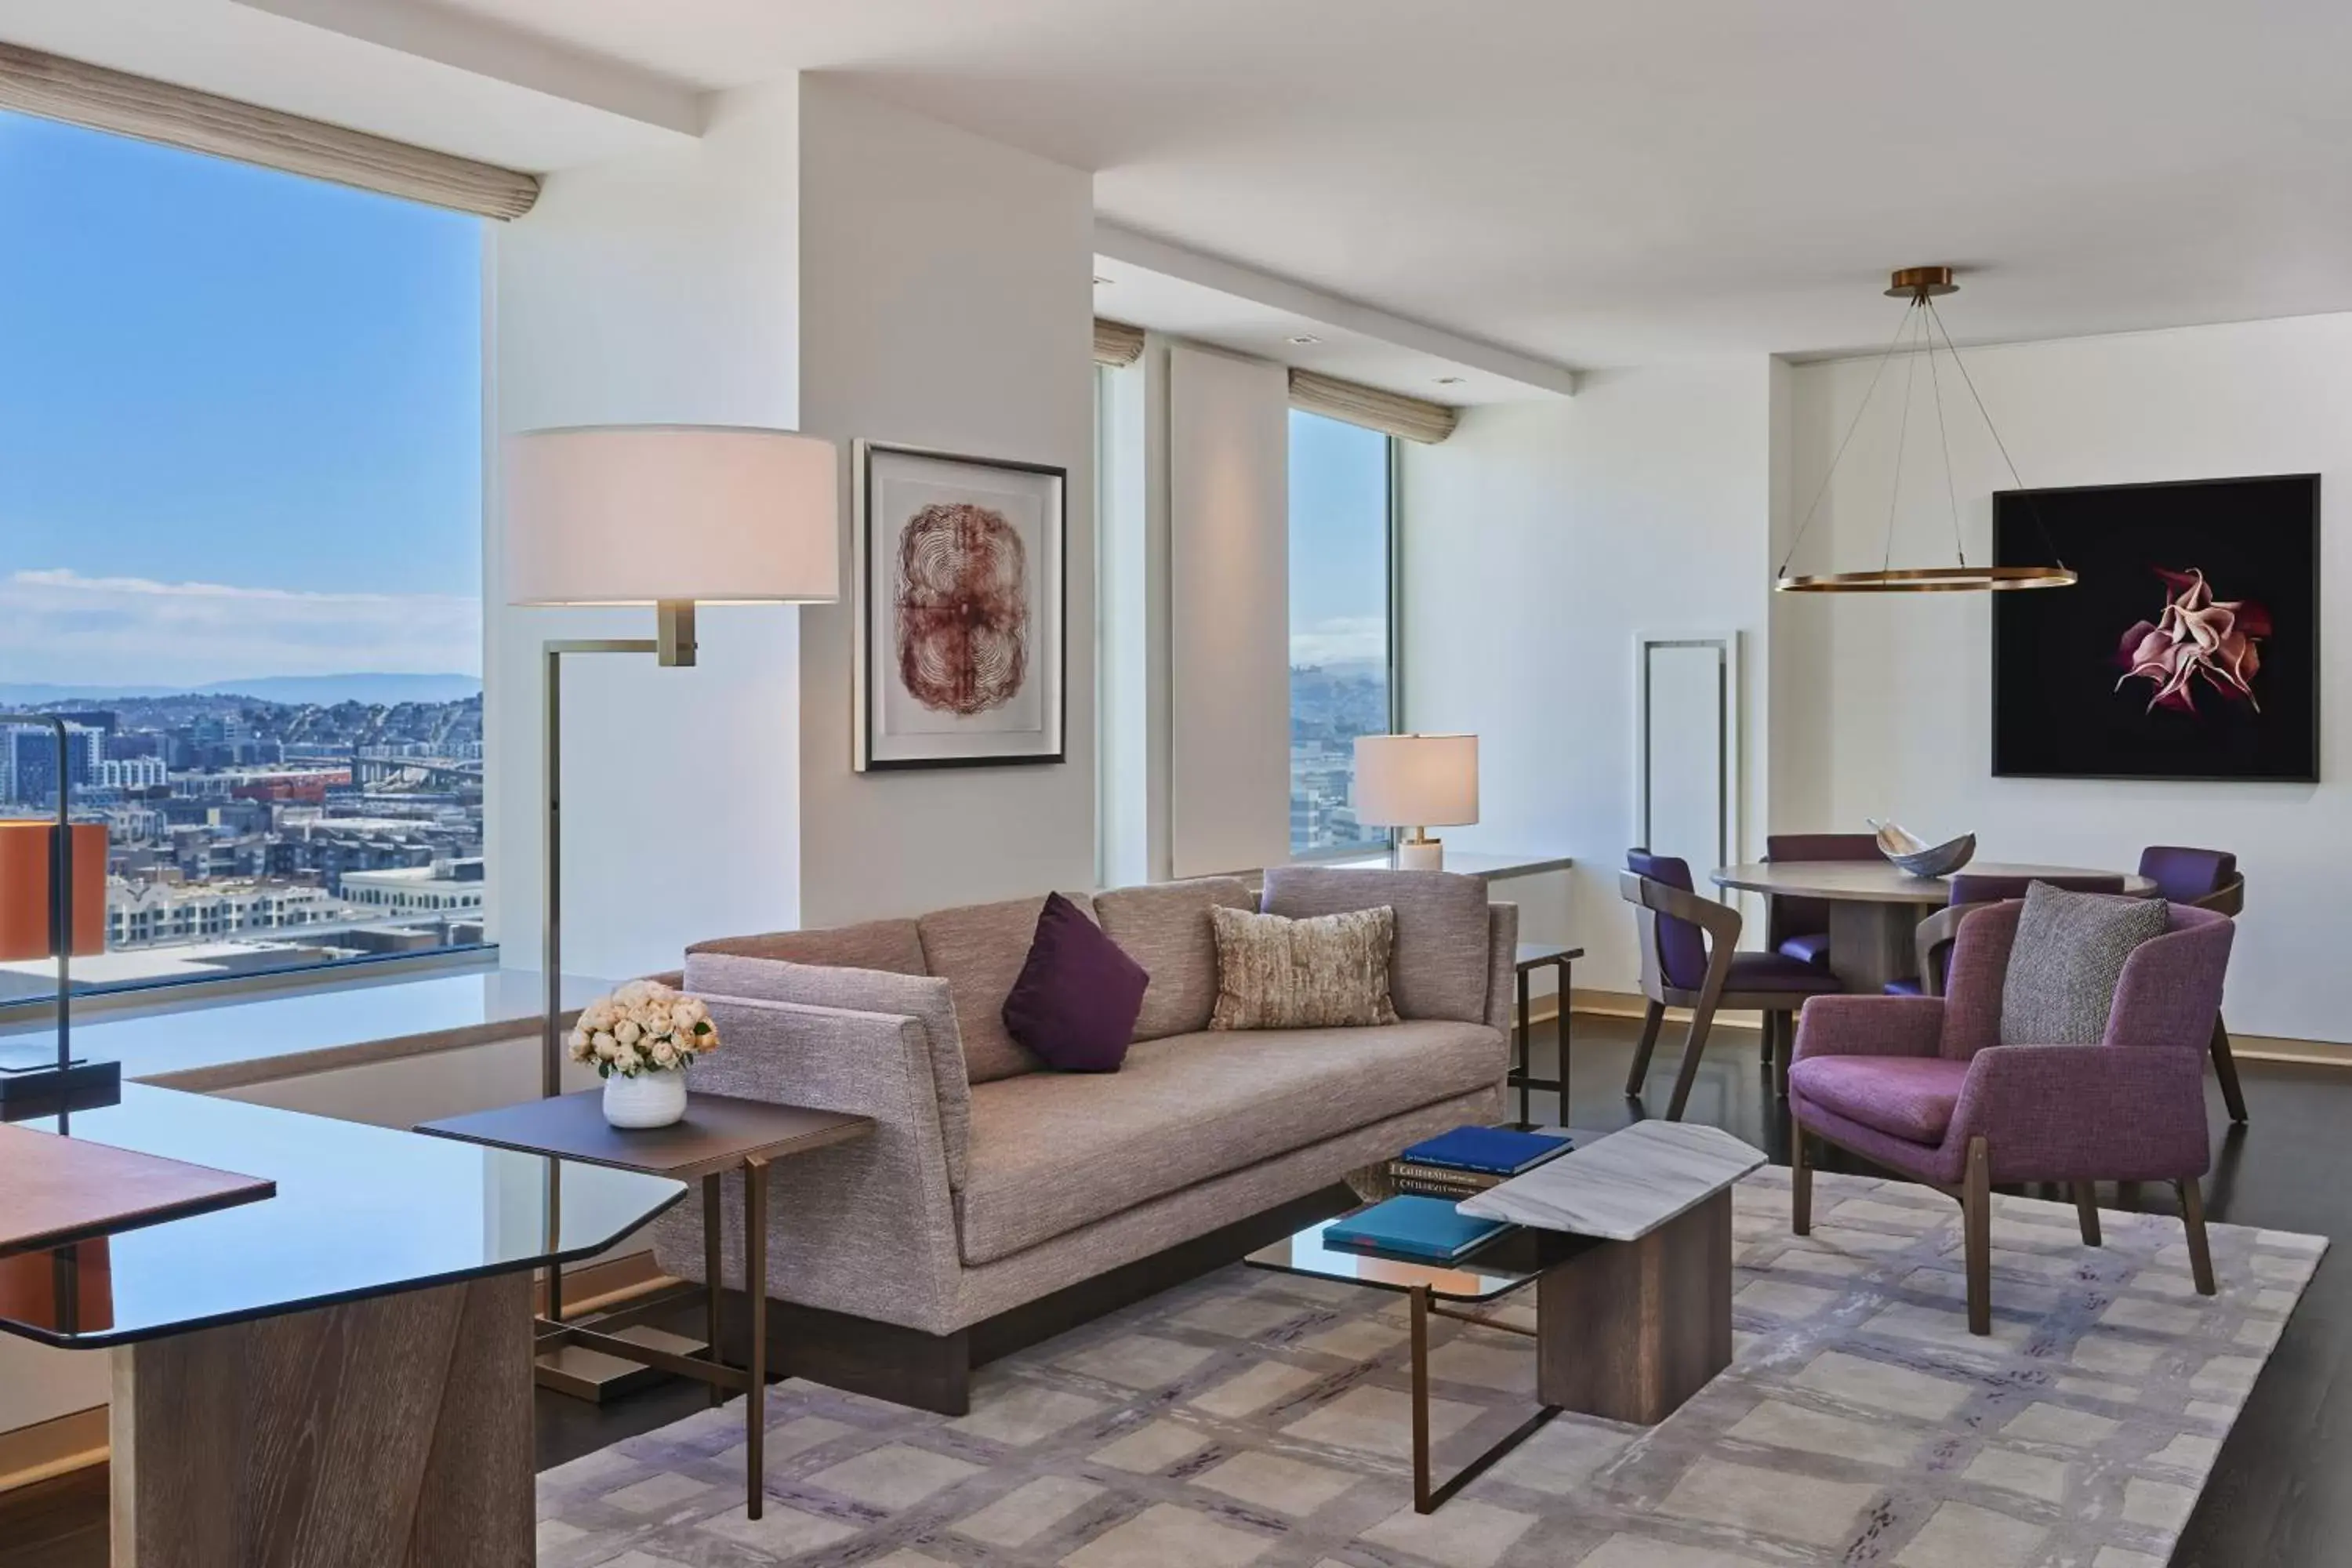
(1254, 1419)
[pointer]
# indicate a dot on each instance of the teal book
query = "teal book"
(1428, 1229)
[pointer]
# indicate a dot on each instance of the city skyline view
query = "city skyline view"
(240, 551)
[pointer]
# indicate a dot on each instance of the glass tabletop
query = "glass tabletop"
(360, 1211)
(1500, 1267)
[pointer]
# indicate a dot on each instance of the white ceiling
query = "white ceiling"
(1592, 182)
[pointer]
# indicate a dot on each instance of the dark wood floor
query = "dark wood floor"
(2275, 1498)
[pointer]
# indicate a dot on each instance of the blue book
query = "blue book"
(1425, 1229)
(1489, 1151)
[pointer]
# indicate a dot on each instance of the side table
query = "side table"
(720, 1133)
(1532, 956)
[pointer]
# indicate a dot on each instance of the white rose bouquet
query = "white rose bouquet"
(644, 1027)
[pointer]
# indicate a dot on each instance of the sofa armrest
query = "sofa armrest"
(1869, 1027)
(866, 1228)
(2056, 1113)
(1502, 966)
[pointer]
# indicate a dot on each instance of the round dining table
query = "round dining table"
(1875, 906)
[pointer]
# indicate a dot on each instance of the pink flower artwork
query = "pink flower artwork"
(2197, 635)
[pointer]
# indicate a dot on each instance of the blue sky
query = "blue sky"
(240, 418)
(1339, 526)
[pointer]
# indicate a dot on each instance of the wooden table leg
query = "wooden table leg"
(755, 1293)
(714, 1274)
(1870, 943)
(1628, 1331)
(390, 1432)
(1526, 1044)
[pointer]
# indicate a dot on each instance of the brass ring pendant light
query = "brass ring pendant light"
(1921, 286)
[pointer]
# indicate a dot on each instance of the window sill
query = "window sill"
(227, 1042)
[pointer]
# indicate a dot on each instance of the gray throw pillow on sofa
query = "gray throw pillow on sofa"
(1327, 972)
(2069, 953)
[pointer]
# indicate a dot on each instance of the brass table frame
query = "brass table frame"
(1428, 1498)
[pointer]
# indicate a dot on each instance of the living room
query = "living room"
(1406, 430)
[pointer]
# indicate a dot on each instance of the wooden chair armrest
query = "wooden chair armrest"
(1720, 922)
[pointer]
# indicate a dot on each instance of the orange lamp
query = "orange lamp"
(26, 930)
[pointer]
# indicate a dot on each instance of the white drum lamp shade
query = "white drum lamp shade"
(643, 514)
(1417, 782)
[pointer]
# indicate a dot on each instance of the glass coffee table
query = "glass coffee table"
(1628, 1240)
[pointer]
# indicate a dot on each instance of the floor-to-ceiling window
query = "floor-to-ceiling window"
(240, 549)
(1342, 644)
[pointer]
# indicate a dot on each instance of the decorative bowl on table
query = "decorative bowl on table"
(1922, 859)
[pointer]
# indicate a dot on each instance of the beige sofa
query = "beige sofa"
(993, 1191)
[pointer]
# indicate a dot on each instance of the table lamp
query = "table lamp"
(53, 883)
(1417, 782)
(667, 515)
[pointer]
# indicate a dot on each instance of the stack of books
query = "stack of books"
(1469, 1160)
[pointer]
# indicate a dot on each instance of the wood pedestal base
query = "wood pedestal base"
(394, 1432)
(1627, 1330)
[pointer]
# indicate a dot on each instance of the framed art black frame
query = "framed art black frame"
(2065, 703)
(1052, 599)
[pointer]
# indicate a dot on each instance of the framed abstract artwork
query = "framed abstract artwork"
(961, 619)
(2189, 649)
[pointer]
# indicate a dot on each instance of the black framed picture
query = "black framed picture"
(960, 609)
(2189, 649)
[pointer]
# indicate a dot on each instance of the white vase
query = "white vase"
(648, 1099)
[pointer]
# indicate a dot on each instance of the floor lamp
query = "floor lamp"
(667, 515)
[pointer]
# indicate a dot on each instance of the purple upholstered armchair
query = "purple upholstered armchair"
(1922, 1086)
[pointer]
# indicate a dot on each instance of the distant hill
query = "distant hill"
(323, 690)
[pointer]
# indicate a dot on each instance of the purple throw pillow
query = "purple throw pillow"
(1076, 1001)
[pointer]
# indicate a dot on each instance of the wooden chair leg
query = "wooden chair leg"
(1975, 1222)
(1800, 1183)
(1781, 1059)
(1694, 1047)
(2086, 1208)
(2225, 1068)
(1764, 1056)
(1653, 1018)
(2192, 1216)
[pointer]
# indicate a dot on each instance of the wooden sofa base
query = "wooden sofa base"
(933, 1371)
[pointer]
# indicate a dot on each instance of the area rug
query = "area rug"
(1254, 1418)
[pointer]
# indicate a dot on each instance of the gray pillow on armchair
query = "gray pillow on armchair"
(2068, 956)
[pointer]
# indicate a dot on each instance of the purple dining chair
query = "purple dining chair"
(1933, 942)
(1690, 959)
(2210, 880)
(1922, 1086)
(1799, 928)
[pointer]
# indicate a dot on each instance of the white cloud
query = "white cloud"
(1340, 639)
(57, 626)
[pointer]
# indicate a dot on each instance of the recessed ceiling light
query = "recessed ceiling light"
(1099, 281)
(1302, 339)
(1449, 380)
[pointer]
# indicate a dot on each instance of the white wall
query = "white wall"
(658, 288)
(1229, 612)
(1539, 541)
(946, 300)
(1903, 718)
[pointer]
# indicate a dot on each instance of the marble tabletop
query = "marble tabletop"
(1625, 1185)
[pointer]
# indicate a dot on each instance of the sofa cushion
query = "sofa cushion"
(918, 996)
(1324, 972)
(978, 950)
(1075, 1002)
(1439, 968)
(1053, 1152)
(890, 946)
(1164, 926)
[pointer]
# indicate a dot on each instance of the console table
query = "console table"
(336, 1375)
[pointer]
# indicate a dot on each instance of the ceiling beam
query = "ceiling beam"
(1280, 293)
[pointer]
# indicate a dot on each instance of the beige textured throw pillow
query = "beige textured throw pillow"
(1331, 971)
